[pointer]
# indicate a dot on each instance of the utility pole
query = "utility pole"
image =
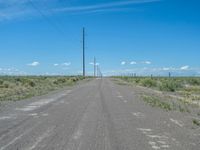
(100, 74)
(169, 74)
(97, 71)
(83, 52)
(94, 67)
(151, 76)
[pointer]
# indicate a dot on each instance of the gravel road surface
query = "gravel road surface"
(96, 115)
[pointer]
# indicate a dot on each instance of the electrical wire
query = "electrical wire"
(46, 18)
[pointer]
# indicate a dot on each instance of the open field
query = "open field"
(172, 84)
(185, 88)
(14, 88)
(171, 94)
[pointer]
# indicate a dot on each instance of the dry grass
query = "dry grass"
(17, 88)
(186, 88)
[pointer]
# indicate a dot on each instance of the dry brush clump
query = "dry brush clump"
(156, 102)
(196, 122)
(165, 104)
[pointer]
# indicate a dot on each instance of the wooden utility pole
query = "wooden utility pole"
(169, 74)
(83, 52)
(94, 67)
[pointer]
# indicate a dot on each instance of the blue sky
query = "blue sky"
(127, 36)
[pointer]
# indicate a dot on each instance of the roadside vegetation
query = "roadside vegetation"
(172, 84)
(13, 88)
(196, 122)
(171, 94)
(185, 88)
(156, 101)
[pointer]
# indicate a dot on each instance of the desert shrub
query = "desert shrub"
(147, 82)
(194, 81)
(125, 78)
(192, 89)
(137, 80)
(44, 78)
(169, 85)
(23, 81)
(74, 79)
(18, 79)
(60, 81)
(1, 82)
(80, 77)
(6, 84)
(31, 83)
(196, 122)
(156, 102)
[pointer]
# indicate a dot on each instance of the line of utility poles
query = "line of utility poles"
(99, 74)
(97, 71)
(151, 75)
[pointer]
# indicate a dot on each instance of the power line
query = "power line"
(57, 20)
(51, 12)
(45, 17)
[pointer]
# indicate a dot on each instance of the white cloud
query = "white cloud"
(66, 64)
(34, 64)
(13, 8)
(133, 63)
(169, 69)
(123, 63)
(184, 68)
(157, 71)
(91, 63)
(102, 6)
(11, 71)
(56, 65)
(147, 62)
(166, 69)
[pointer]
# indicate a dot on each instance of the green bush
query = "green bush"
(196, 122)
(194, 81)
(18, 79)
(147, 82)
(156, 102)
(169, 85)
(1, 82)
(60, 81)
(74, 79)
(6, 85)
(137, 80)
(31, 83)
